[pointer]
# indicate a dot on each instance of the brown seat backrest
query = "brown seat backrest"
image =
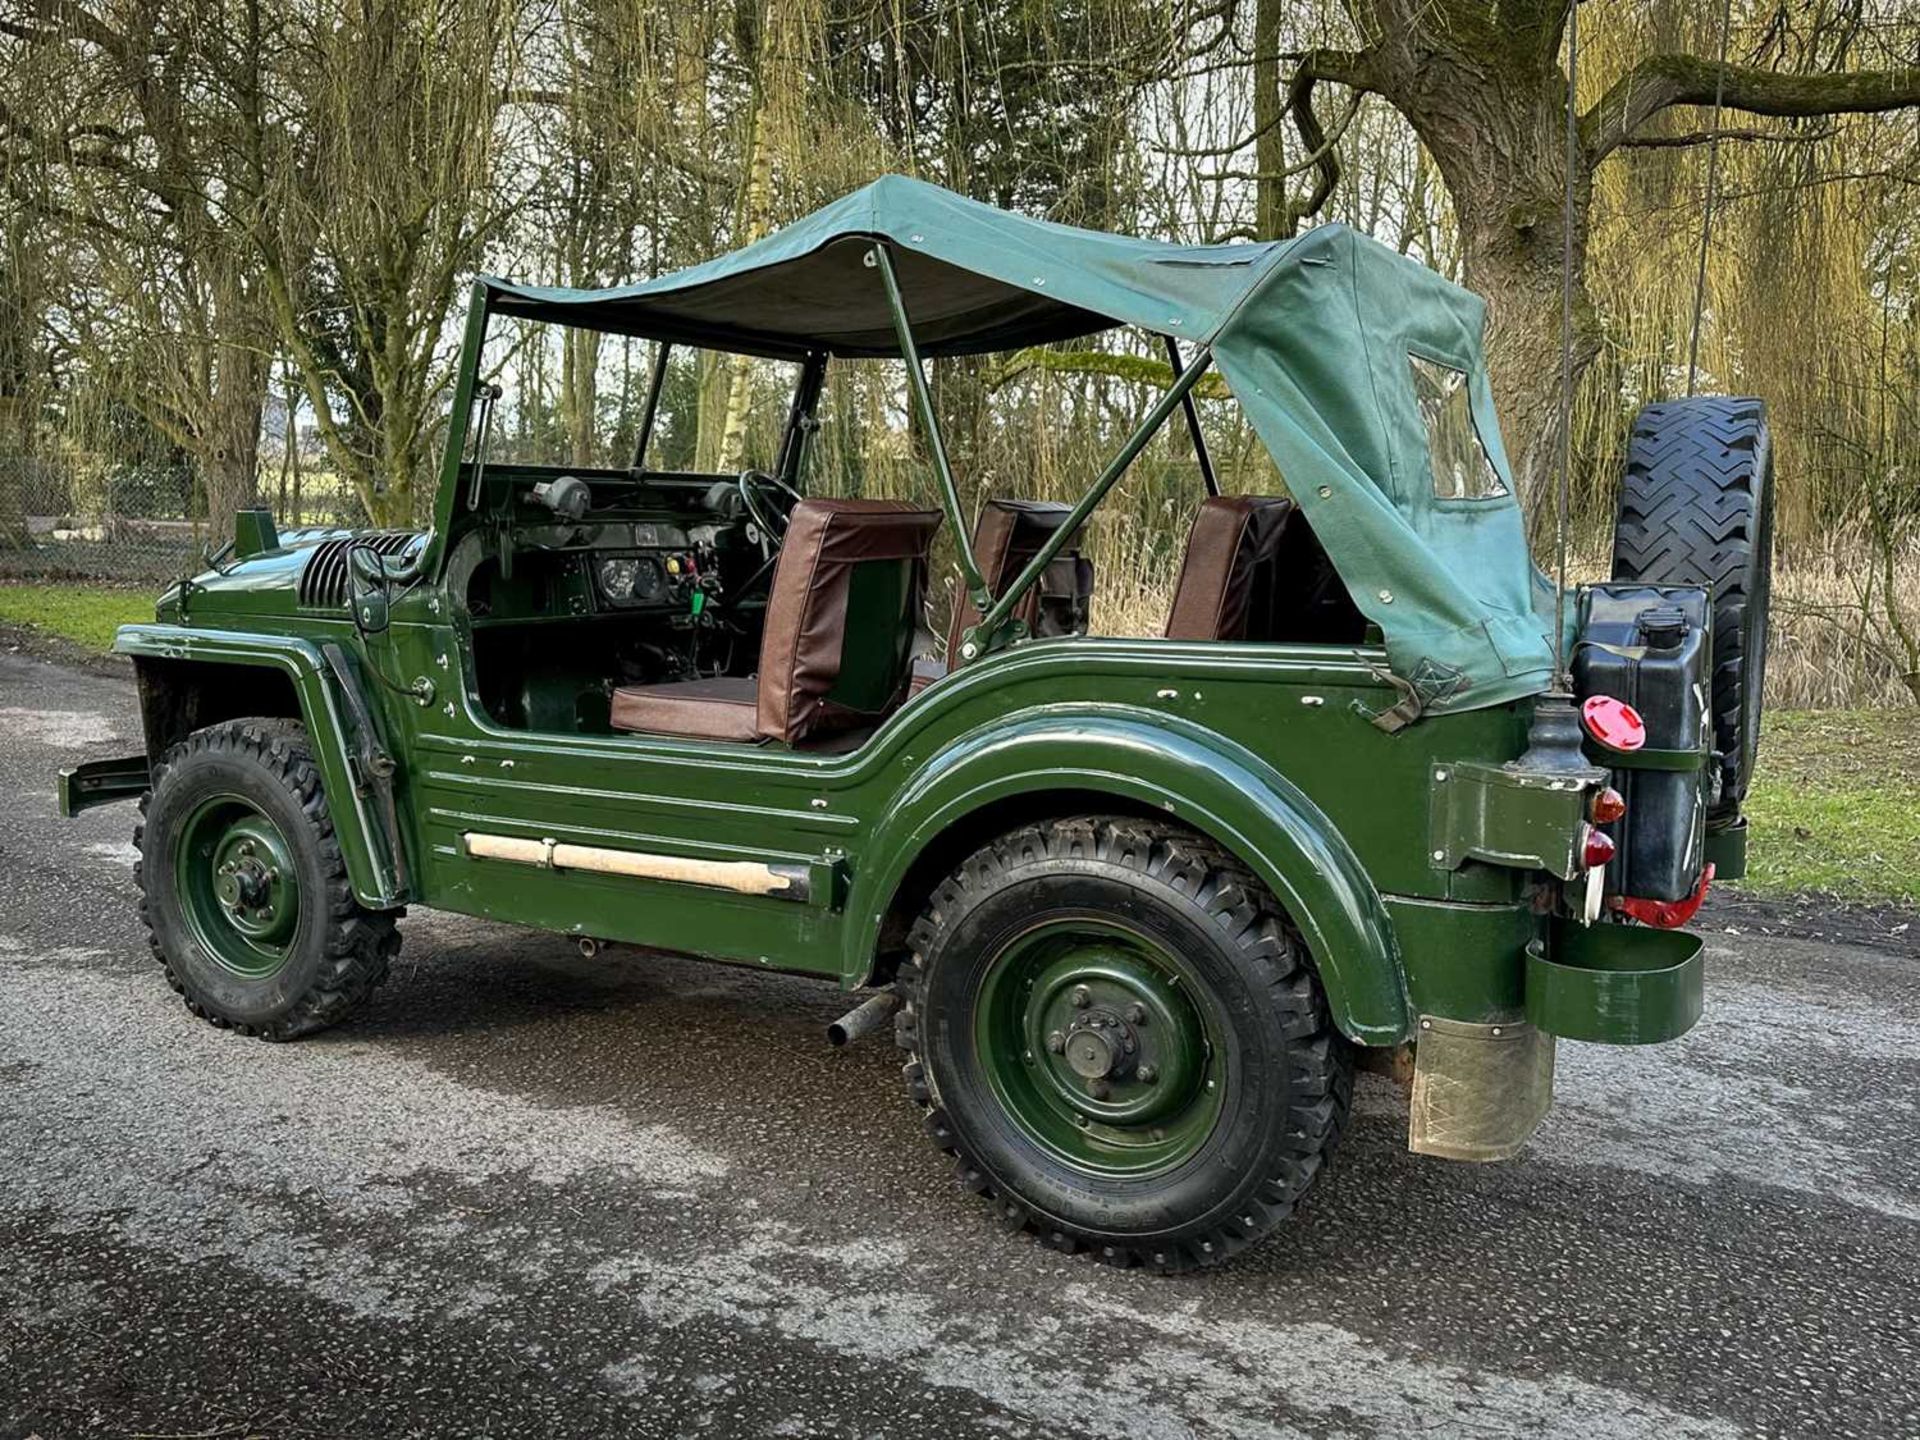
(849, 591)
(1254, 570)
(1009, 535)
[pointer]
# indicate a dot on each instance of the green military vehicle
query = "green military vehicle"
(1381, 794)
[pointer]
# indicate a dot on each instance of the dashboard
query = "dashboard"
(653, 567)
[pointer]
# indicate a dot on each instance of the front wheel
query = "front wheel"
(1118, 1036)
(244, 889)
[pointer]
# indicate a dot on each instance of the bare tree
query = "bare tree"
(386, 179)
(134, 132)
(1483, 84)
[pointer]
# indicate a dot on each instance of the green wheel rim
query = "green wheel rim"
(1100, 1047)
(233, 873)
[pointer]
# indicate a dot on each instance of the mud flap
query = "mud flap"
(1479, 1091)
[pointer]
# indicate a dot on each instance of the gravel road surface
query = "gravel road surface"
(526, 1194)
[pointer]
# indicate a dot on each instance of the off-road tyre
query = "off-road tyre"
(1696, 508)
(337, 951)
(1289, 1073)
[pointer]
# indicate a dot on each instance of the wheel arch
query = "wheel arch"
(1051, 766)
(191, 679)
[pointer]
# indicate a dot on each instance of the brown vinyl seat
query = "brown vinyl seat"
(1254, 570)
(848, 593)
(1009, 534)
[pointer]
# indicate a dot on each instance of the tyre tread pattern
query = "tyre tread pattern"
(360, 943)
(1275, 960)
(1693, 512)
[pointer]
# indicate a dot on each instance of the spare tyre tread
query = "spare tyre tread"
(1696, 509)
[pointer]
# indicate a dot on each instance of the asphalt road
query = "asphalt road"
(530, 1195)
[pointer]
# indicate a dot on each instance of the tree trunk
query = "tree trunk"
(229, 441)
(756, 205)
(1272, 219)
(1495, 127)
(580, 365)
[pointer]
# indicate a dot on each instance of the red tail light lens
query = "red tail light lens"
(1598, 849)
(1608, 806)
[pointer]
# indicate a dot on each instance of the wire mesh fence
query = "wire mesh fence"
(75, 519)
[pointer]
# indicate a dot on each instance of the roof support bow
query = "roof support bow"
(936, 444)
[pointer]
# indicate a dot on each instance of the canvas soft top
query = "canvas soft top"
(1316, 337)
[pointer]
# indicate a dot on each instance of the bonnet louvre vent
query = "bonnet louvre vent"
(323, 583)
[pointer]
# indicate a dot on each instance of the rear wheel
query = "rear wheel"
(1696, 508)
(244, 889)
(1118, 1037)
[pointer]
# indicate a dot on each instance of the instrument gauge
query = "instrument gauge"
(648, 580)
(618, 577)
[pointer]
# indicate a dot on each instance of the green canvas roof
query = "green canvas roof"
(1316, 336)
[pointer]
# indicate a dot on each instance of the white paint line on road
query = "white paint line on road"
(1168, 1375)
(200, 1143)
(59, 728)
(1740, 1097)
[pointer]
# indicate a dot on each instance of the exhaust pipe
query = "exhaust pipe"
(869, 1015)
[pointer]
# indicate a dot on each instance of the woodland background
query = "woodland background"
(235, 240)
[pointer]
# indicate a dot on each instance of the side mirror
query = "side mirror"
(367, 595)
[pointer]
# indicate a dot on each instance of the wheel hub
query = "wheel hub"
(237, 883)
(1101, 1045)
(1114, 1053)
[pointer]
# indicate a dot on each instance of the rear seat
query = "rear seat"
(1254, 570)
(1009, 535)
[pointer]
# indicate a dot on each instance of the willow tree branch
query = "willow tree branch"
(1300, 167)
(1352, 68)
(1662, 81)
(1707, 137)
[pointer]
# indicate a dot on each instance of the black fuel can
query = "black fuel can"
(1652, 646)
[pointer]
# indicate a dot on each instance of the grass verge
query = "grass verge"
(85, 614)
(1835, 805)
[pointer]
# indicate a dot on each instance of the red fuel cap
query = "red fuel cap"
(1614, 723)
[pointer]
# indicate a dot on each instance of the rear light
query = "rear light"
(1614, 723)
(1597, 849)
(1608, 806)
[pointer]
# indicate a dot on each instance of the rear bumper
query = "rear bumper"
(101, 782)
(1615, 984)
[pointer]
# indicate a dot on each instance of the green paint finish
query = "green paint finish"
(237, 886)
(1465, 961)
(1100, 1048)
(1165, 761)
(369, 867)
(1264, 748)
(254, 532)
(101, 782)
(1521, 820)
(874, 654)
(1615, 984)
(1727, 852)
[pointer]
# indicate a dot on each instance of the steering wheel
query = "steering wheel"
(769, 501)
